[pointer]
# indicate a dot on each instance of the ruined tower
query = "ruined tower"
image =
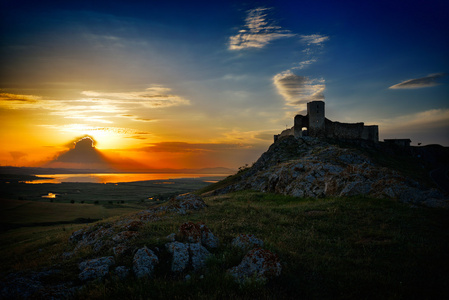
(315, 111)
(317, 125)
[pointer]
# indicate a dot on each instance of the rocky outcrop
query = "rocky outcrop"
(310, 167)
(192, 254)
(185, 202)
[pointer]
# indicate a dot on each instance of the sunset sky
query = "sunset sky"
(193, 84)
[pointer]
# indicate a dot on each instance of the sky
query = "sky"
(195, 84)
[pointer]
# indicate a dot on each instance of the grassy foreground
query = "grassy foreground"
(329, 248)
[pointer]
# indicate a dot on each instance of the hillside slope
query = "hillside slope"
(311, 167)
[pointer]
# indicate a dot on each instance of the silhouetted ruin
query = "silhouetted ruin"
(315, 124)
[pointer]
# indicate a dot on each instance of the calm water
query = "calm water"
(118, 177)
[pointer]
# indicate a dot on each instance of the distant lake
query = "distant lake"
(120, 177)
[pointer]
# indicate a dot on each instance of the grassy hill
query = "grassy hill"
(329, 248)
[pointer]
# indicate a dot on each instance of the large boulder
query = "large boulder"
(144, 262)
(258, 265)
(95, 268)
(180, 254)
(187, 256)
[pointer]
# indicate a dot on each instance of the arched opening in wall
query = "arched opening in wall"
(304, 131)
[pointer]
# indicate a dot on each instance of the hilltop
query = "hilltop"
(314, 167)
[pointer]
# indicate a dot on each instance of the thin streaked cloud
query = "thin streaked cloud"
(8, 100)
(417, 83)
(152, 97)
(421, 121)
(314, 39)
(258, 31)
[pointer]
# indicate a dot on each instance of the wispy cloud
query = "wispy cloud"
(258, 31)
(8, 100)
(136, 118)
(93, 130)
(417, 83)
(153, 97)
(298, 90)
(421, 121)
(100, 107)
(314, 39)
(314, 43)
(303, 64)
(183, 147)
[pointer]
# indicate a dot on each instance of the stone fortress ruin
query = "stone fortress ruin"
(315, 124)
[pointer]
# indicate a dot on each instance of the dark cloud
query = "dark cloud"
(17, 155)
(82, 155)
(19, 98)
(417, 83)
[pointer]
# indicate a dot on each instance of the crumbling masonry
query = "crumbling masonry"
(315, 124)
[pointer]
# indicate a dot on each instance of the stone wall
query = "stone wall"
(371, 133)
(286, 132)
(337, 130)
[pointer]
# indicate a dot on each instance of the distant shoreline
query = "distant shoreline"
(46, 171)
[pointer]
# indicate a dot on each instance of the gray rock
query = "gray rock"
(258, 265)
(180, 254)
(144, 262)
(171, 237)
(186, 255)
(95, 268)
(124, 236)
(208, 239)
(184, 202)
(198, 233)
(198, 255)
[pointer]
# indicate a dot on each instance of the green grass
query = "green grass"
(330, 248)
(344, 248)
(26, 213)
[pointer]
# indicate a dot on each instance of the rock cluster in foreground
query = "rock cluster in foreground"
(113, 242)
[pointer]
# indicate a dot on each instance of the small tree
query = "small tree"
(72, 201)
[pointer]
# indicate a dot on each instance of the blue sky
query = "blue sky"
(222, 72)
